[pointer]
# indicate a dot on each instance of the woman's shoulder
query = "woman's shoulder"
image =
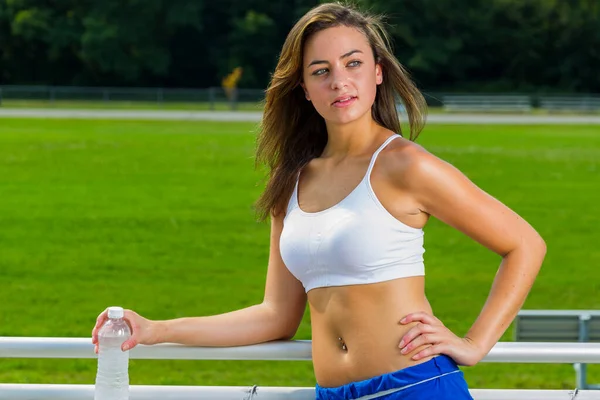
(403, 155)
(407, 163)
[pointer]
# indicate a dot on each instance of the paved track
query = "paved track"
(477, 119)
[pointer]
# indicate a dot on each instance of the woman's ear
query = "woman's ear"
(378, 74)
(305, 91)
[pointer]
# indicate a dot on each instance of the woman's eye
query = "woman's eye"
(320, 71)
(355, 63)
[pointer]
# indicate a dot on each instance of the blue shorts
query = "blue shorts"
(439, 379)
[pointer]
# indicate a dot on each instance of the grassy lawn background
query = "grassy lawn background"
(157, 217)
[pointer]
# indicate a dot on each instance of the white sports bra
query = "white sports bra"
(356, 241)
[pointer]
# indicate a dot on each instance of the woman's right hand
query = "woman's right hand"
(143, 331)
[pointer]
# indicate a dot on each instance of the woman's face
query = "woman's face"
(340, 76)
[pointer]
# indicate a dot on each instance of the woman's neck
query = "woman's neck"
(352, 139)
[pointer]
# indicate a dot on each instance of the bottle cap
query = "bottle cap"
(115, 312)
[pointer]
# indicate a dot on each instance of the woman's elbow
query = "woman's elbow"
(282, 326)
(285, 319)
(539, 245)
(287, 336)
(536, 249)
(288, 330)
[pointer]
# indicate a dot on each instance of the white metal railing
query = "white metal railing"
(23, 347)
(86, 392)
(476, 102)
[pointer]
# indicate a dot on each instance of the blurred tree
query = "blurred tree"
(496, 45)
(475, 45)
(441, 43)
(552, 44)
(94, 42)
(5, 44)
(251, 45)
(37, 36)
(129, 38)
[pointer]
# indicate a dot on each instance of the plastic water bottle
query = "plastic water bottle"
(112, 378)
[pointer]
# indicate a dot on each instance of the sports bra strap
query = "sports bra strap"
(374, 157)
(294, 198)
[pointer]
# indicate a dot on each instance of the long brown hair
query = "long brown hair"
(292, 132)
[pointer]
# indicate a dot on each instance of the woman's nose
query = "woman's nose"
(339, 79)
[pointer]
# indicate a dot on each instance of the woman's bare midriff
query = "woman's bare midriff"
(356, 329)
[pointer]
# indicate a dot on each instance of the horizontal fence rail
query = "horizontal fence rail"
(107, 94)
(209, 98)
(293, 350)
(86, 392)
(298, 350)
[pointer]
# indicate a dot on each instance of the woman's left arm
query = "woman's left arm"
(445, 193)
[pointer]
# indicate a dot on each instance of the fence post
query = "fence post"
(234, 98)
(211, 98)
(159, 96)
(584, 336)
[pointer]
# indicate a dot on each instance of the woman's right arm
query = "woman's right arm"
(277, 317)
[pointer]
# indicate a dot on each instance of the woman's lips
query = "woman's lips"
(344, 102)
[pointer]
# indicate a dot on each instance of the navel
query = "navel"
(342, 344)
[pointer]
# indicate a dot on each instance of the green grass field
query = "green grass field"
(157, 217)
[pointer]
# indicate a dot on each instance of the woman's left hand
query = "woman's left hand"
(431, 331)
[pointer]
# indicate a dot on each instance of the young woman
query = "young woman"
(348, 198)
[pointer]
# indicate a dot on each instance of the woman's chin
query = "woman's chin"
(344, 118)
